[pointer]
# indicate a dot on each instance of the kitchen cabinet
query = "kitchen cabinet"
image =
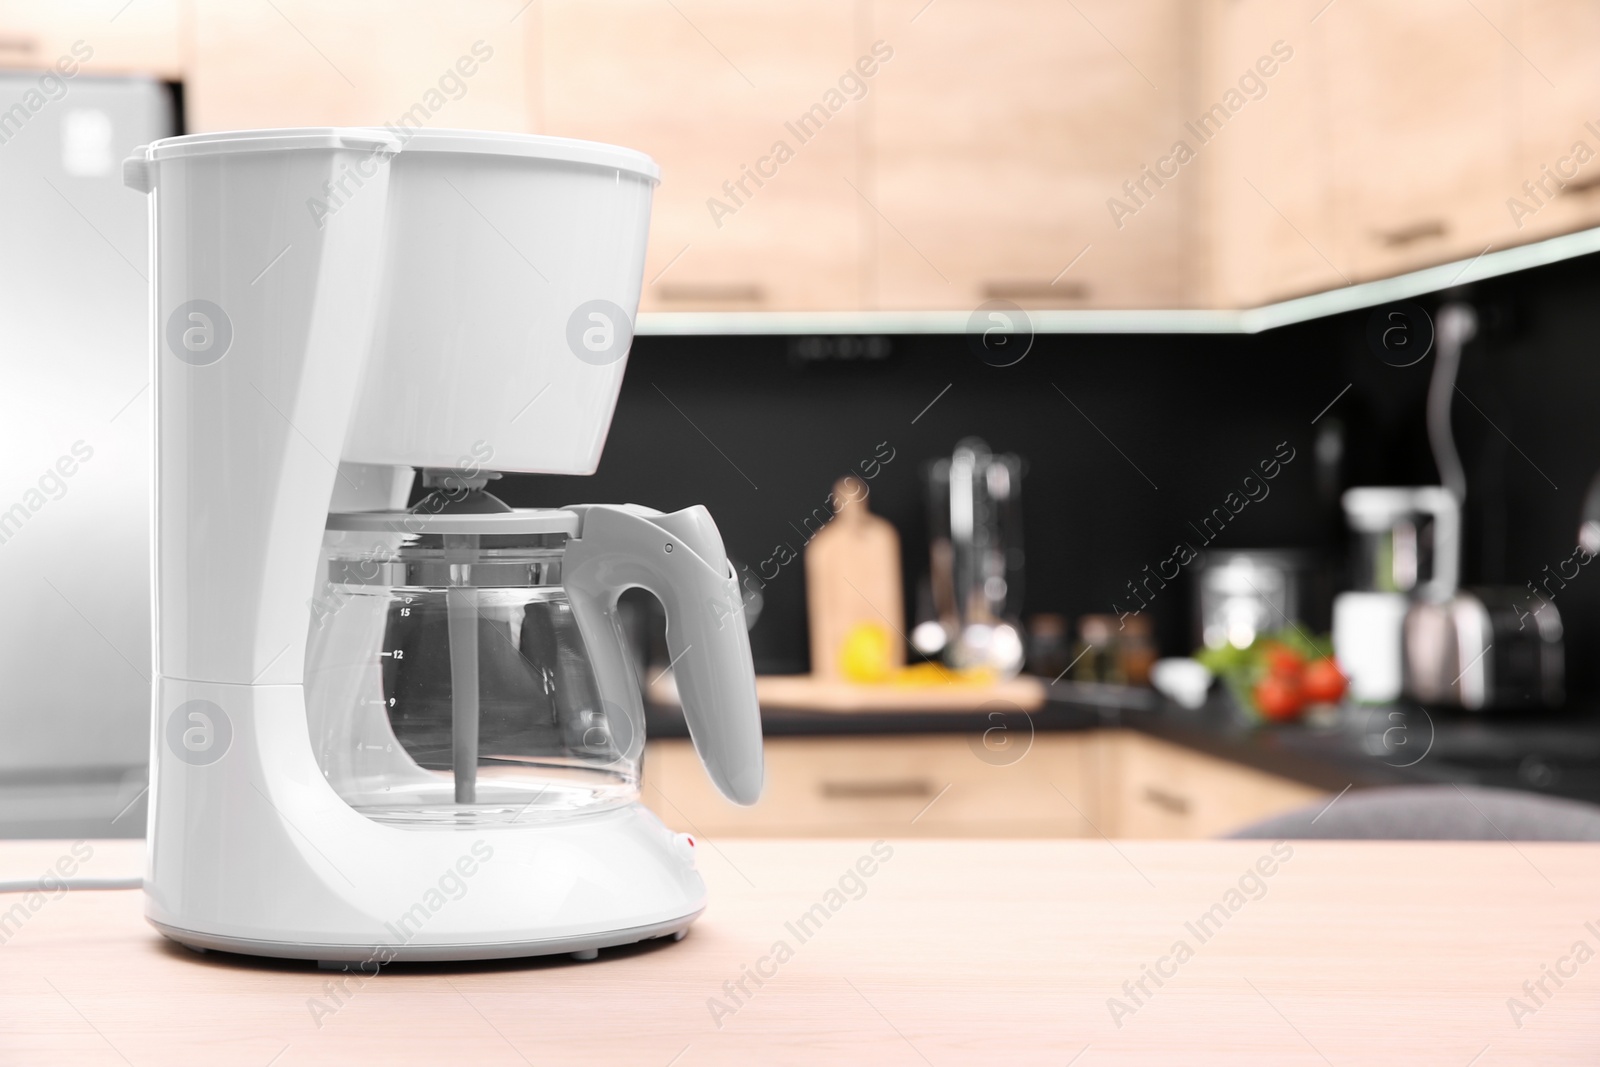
(1271, 231)
(139, 37)
(847, 155)
(755, 114)
(1555, 179)
(1418, 118)
(358, 62)
(1154, 789)
(1114, 782)
(928, 785)
(1000, 136)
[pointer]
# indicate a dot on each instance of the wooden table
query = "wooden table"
(954, 953)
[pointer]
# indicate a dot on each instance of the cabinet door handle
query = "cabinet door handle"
(1036, 294)
(1401, 236)
(21, 47)
(1168, 802)
(879, 789)
(711, 294)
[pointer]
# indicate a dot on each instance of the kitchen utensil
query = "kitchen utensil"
(852, 577)
(436, 756)
(1482, 649)
(975, 557)
(1248, 592)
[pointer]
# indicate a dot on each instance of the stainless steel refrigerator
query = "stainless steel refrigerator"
(74, 454)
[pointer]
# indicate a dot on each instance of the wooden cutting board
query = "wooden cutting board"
(806, 692)
(852, 576)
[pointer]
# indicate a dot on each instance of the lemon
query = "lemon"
(868, 653)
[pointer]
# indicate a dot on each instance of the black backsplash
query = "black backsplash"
(1128, 440)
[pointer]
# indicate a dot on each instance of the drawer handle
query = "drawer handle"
(1036, 293)
(1417, 231)
(878, 790)
(711, 294)
(1168, 802)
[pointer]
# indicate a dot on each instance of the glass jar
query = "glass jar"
(447, 682)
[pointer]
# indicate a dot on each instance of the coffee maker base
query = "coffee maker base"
(370, 957)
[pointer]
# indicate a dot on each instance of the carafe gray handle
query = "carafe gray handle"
(680, 559)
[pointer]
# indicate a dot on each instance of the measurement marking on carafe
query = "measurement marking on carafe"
(530, 403)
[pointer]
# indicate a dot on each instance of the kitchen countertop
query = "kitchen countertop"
(949, 953)
(1556, 753)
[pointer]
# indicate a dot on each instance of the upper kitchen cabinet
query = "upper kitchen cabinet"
(1419, 118)
(103, 36)
(357, 62)
(1027, 151)
(755, 114)
(1555, 186)
(1259, 123)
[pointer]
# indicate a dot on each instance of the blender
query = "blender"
(1407, 550)
(385, 732)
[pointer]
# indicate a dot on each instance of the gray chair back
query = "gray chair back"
(1435, 813)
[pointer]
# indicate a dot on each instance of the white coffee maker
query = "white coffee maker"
(390, 733)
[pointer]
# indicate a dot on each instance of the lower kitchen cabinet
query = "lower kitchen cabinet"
(1155, 789)
(1114, 782)
(914, 785)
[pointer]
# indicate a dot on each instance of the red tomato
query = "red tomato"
(1323, 683)
(1279, 698)
(1283, 660)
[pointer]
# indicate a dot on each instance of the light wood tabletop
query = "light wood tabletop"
(972, 952)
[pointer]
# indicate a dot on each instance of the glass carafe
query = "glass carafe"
(448, 685)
